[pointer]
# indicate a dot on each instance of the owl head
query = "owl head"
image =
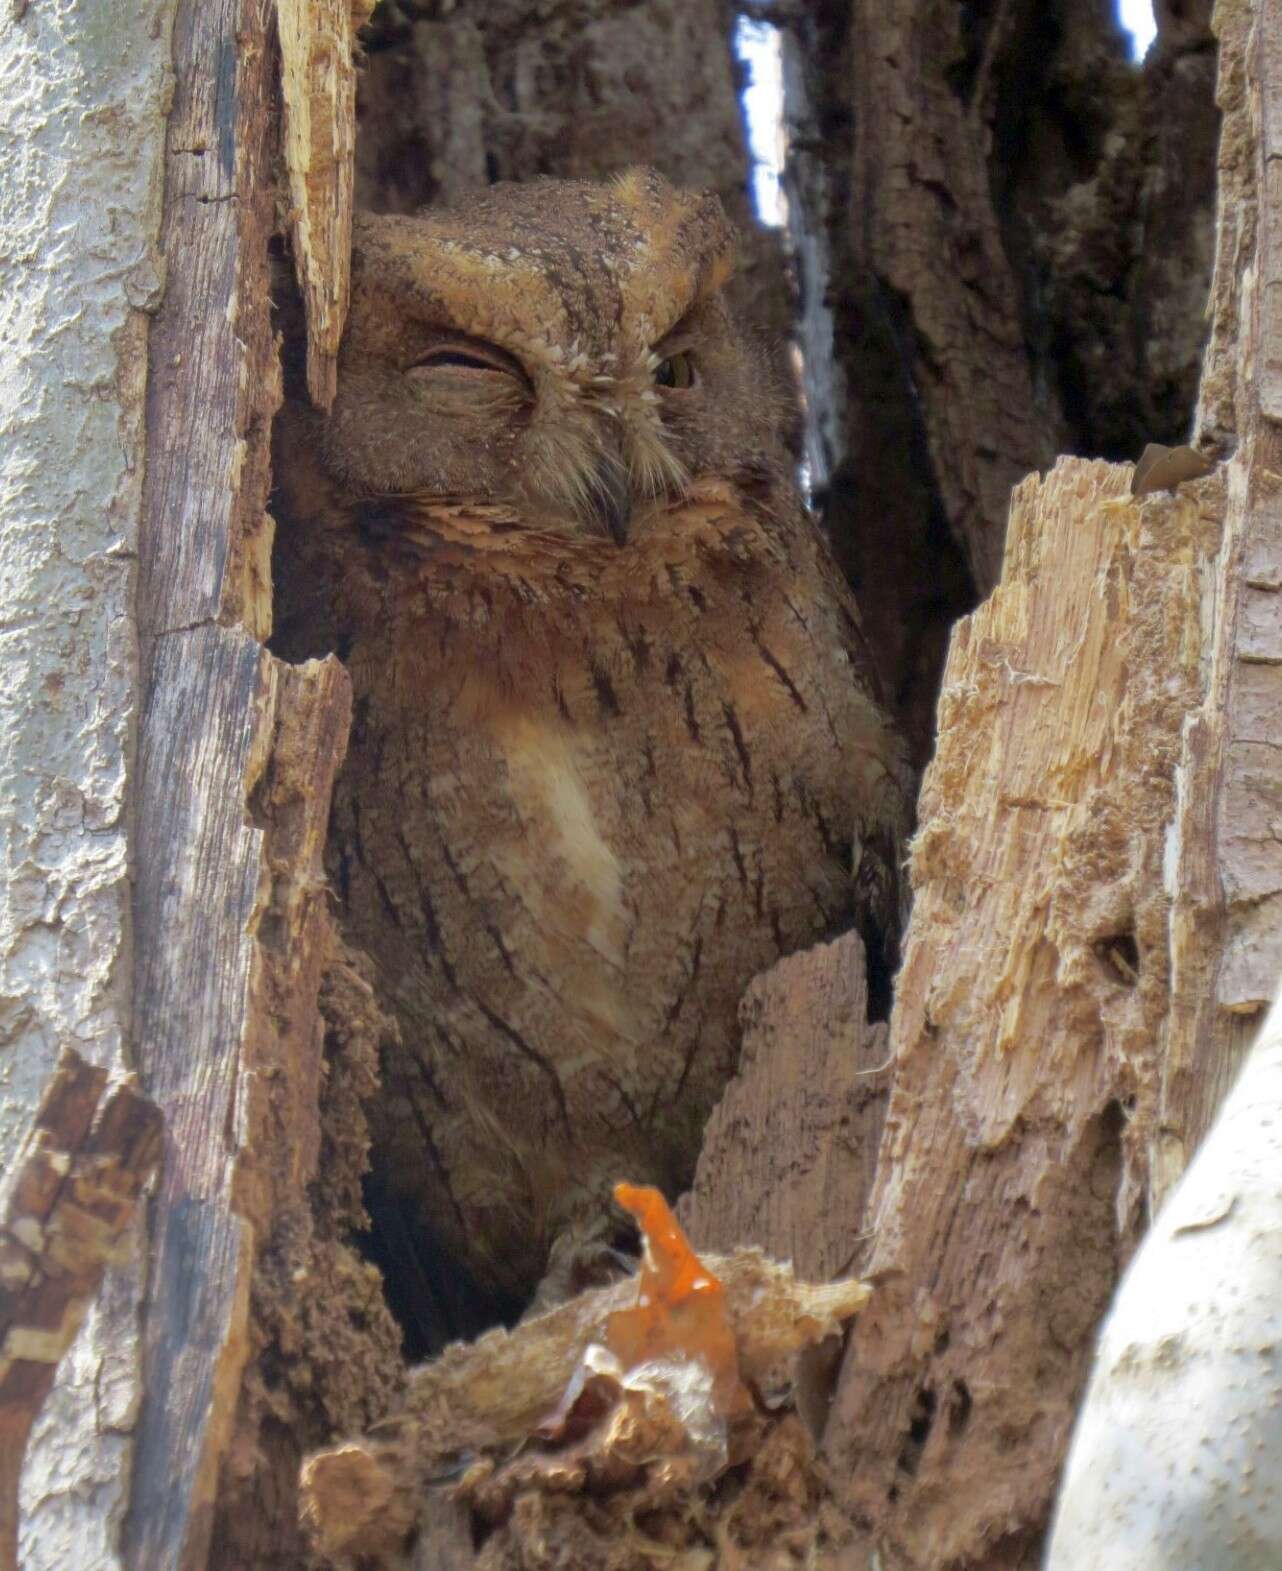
(558, 349)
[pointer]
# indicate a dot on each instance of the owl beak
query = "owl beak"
(613, 498)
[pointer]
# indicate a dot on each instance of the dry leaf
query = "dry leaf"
(1163, 468)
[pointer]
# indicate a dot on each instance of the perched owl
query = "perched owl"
(615, 746)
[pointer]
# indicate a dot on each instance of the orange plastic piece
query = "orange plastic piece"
(680, 1308)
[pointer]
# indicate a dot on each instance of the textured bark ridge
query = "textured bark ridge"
(1004, 236)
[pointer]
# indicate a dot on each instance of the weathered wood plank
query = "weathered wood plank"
(212, 391)
(227, 1012)
(213, 378)
(197, 891)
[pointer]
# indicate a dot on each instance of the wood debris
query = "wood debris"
(641, 1391)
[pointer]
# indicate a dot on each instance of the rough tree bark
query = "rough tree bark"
(980, 288)
(83, 101)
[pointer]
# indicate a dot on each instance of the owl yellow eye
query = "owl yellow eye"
(675, 371)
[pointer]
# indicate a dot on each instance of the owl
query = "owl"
(616, 746)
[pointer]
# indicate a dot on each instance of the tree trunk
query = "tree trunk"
(1001, 235)
(84, 105)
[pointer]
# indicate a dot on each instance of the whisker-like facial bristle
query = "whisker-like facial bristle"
(652, 465)
(566, 466)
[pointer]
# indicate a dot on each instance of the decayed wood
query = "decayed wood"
(213, 381)
(1226, 860)
(301, 740)
(66, 1203)
(244, 973)
(237, 755)
(318, 88)
(1013, 1169)
(323, 1353)
(789, 1153)
(198, 883)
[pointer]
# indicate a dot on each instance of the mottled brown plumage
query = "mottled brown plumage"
(615, 748)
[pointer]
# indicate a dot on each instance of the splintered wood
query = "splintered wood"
(1030, 1014)
(64, 1210)
(318, 84)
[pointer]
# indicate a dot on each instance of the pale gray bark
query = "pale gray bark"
(1174, 1463)
(83, 95)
